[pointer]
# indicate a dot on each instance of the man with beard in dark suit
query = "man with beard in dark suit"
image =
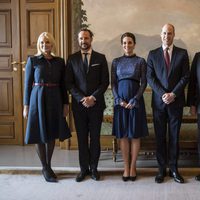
(87, 80)
(168, 74)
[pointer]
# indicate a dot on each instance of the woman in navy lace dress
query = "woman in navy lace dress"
(128, 82)
(45, 102)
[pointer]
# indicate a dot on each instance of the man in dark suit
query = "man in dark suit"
(193, 97)
(88, 79)
(167, 74)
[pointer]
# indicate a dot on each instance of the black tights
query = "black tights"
(45, 152)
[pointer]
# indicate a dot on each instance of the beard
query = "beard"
(84, 46)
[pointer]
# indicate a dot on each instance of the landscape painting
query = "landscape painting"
(108, 19)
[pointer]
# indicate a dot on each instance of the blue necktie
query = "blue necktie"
(85, 62)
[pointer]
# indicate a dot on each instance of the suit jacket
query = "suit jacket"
(193, 97)
(94, 82)
(162, 82)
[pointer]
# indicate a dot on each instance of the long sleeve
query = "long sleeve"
(62, 83)
(152, 77)
(104, 79)
(192, 95)
(185, 75)
(114, 83)
(70, 82)
(143, 79)
(29, 79)
(143, 83)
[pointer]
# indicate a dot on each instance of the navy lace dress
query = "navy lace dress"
(128, 82)
(45, 118)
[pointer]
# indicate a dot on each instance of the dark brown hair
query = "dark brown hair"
(128, 34)
(87, 30)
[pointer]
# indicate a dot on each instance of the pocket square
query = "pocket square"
(93, 65)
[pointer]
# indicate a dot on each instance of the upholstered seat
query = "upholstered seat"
(188, 133)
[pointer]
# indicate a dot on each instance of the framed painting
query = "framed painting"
(110, 19)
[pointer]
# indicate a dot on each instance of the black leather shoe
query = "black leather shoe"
(197, 178)
(47, 176)
(159, 178)
(81, 176)
(95, 175)
(177, 177)
(125, 178)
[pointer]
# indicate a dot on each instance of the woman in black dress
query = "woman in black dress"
(45, 102)
(128, 82)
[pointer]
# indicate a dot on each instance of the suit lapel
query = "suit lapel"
(80, 62)
(163, 61)
(91, 60)
(173, 58)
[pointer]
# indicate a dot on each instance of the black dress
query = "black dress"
(128, 83)
(45, 118)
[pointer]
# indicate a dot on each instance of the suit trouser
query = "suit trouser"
(167, 119)
(88, 127)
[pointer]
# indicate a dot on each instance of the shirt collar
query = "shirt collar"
(88, 52)
(170, 47)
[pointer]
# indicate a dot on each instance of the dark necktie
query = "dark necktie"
(167, 58)
(85, 62)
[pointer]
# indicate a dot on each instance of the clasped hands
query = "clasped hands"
(168, 98)
(126, 105)
(88, 101)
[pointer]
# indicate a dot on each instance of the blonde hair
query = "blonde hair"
(51, 39)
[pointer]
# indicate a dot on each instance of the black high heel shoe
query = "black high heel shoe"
(133, 178)
(48, 176)
(125, 178)
(52, 172)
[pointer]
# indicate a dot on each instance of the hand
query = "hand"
(129, 106)
(65, 110)
(88, 101)
(193, 110)
(168, 98)
(123, 104)
(25, 112)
